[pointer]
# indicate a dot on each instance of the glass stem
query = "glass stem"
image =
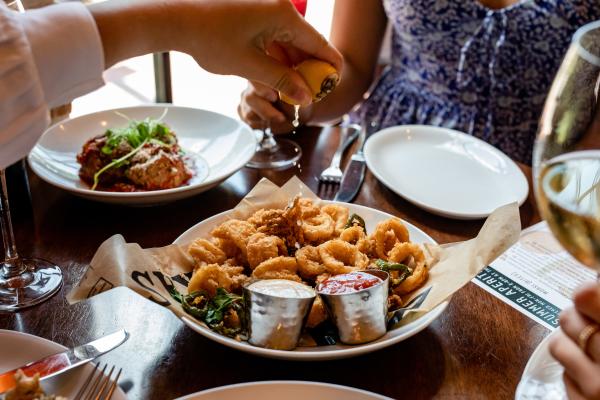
(268, 142)
(11, 266)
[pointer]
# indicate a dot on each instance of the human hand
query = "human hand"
(577, 347)
(260, 108)
(239, 34)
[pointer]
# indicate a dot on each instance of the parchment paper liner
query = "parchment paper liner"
(151, 272)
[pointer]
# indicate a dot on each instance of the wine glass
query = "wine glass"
(566, 161)
(273, 152)
(24, 282)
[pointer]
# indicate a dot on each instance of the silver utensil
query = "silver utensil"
(333, 173)
(361, 316)
(99, 386)
(354, 173)
(395, 316)
(275, 322)
(58, 363)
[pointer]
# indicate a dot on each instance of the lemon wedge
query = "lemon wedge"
(320, 76)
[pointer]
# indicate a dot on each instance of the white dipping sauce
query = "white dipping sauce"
(282, 288)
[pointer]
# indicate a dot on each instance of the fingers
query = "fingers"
(572, 324)
(267, 70)
(587, 301)
(577, 365)
(306, 38)
(573, 392)
(256, 106)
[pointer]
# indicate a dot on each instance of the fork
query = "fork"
(99, 387)
(333, 173)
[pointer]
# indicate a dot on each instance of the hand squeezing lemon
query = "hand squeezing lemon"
(320, 76)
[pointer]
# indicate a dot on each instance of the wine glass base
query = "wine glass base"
(39, 282)
(284, 154)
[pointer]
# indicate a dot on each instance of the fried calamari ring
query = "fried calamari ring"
(341, 257)
(282, 223)
(307, 207)
(227, 246)
(387, 234)
(356, 236)
(319, 228)
(212, 276)
(309, 262)
(206, 252)
(412, 255)
(237, 231)
(261, 247)
(317, 313)
(339, 214)
(277, 268)
(353, 235)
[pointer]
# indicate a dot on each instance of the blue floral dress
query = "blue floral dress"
(459, 64)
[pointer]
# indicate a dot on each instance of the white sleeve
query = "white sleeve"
(47, 57)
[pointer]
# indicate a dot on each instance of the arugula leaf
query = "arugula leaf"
(356, 219)
(136, 134)
(219, 305)
(212, 311)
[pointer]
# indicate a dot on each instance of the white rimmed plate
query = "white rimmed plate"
(21, 348)
(371, 217)
(445, 171)
(218, 145)
(288, 390)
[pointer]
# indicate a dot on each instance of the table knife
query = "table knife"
(58, 363)
(354, 173)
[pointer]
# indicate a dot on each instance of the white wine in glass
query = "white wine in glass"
(566, 167)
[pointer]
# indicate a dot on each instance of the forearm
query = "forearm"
(130, 28)
(360, 48)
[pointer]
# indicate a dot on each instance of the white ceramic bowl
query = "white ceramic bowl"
(225, 145)
(288, 390)
(371, 217)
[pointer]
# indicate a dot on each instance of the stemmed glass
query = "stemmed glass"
(566, 161)
(273, 152)
(24, 282)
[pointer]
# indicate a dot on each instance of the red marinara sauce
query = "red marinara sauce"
(348, 283)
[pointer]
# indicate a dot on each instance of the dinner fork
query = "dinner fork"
(99, 386)
(333, 174)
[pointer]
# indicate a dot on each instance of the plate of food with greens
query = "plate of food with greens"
(142, 155)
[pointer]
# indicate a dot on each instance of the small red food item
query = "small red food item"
(348, 283)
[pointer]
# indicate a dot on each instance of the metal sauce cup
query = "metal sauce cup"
(360, 316)
(275, 320)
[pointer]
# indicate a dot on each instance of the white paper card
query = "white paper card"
(535, 276)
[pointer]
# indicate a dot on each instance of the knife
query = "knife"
(58, 363)
(354, 173)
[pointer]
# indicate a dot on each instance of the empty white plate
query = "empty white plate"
(288, 390)
(444, 171)
(219, 145)
(19, 348)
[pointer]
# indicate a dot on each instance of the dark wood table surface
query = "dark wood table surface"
(477, 348)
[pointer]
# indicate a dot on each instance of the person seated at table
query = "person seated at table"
(577, 346)
(483, 67)
(51, 55)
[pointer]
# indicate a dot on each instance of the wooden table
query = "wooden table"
(477, 348)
